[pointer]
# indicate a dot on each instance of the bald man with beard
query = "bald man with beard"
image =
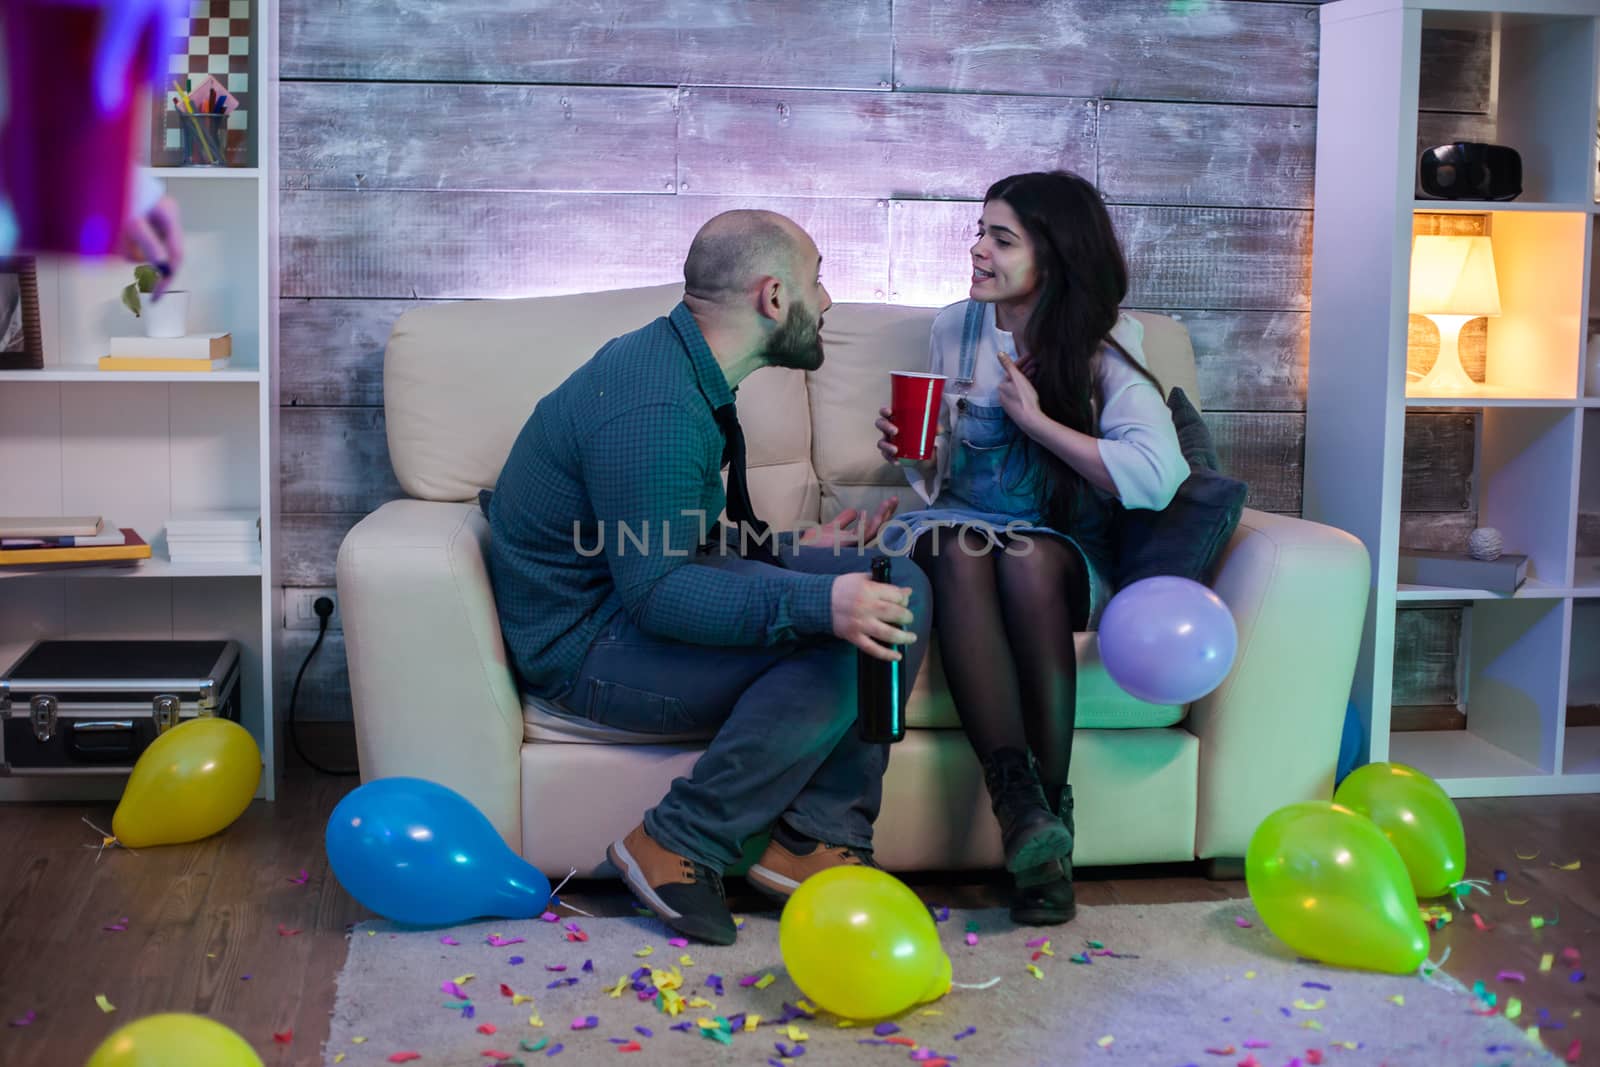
(700, 631)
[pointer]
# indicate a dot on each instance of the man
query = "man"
(677, 634)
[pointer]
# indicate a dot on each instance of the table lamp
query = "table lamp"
(1452, 283)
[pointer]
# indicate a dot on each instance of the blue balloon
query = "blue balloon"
(419, 853)
(1167, 640)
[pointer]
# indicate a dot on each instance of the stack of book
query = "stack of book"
(68, 540)
(192, 352)
(215, 536)
(1460, 570)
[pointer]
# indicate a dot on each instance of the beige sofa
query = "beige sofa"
(434, 696)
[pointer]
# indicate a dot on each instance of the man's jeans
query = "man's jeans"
(785, 720)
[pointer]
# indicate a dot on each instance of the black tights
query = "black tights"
(1005, 622)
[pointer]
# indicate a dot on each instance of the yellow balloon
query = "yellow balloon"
(1417, 816)
(192, 781)
(174, 1040)
(861, 945)
(1330, 886)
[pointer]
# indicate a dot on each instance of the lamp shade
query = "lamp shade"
(1453, 276)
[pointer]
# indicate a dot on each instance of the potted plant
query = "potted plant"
(164, 317)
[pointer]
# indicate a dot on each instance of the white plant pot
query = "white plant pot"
(167, 317)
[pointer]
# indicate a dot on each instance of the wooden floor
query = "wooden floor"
(219, 927)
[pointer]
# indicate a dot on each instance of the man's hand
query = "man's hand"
(837, 534)
(1019, 398)
(156, 238)
(870, 614)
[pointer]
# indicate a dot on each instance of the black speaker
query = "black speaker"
(1468, 170)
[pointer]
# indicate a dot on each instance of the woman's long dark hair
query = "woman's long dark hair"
(1083, 280)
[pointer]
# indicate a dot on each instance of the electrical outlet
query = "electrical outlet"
(298, 613)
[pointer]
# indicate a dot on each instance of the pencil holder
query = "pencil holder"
(204, 138)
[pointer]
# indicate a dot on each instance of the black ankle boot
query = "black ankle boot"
(1044, 895)
(1031, 832)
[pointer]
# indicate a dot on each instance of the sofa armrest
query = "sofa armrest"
(434, 696)
(1269, 735)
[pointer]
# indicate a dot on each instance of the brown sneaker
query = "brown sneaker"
(685, 894)
(779, 871)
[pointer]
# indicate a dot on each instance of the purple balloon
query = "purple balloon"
(1167, 640)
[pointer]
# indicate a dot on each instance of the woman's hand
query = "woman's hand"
(886, 445)
(1020, 399)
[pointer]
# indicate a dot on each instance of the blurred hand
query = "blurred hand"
(838, 532)
(156, 237)
(871, 615)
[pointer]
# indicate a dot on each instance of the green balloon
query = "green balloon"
(1417, 816)
(1330, 886)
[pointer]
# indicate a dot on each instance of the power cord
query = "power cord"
(324, 609)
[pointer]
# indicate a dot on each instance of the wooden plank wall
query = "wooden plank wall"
(448, 149)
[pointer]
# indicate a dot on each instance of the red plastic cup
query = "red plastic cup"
(65, 164)
(914, 410)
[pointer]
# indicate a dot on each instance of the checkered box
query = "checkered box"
(216, 38)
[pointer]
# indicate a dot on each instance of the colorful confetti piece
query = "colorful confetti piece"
(963, 1035)
(1518, 903)
(587, 1022)
(300, 879)
(404, 1057)
(1573, 866)
(448, 940)
(120, 926)
(284, 931)
(25, 1019)
(497, 941)
(1036, 972)
(765, 981)
(1242, 923)
(1513, 1008)
(885, 1029)
(1530, 856)
(1106, 1041)
(1398, 1000)
(283, 1037)
(105, 1005)
(1511, 976)
(972, 938)
(1311, 1005)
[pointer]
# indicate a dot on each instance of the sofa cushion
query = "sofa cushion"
(1102, 704)
(864, 343)
(460, 380)
(1187, 536)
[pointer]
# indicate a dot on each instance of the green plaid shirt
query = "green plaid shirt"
(612, 488)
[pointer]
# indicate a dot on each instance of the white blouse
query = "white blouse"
(1138, 442)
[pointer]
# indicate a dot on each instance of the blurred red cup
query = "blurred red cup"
(914, 410)
(65, 163)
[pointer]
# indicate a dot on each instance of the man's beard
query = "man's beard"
(798, 342)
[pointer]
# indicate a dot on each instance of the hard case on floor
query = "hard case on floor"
(91, 707)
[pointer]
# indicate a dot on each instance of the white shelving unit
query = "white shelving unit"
(137, 447)
(1523, 658)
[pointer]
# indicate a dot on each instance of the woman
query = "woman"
(1050, 420)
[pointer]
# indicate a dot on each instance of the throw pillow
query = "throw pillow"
(1188, 535)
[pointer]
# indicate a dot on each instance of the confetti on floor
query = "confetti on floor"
(105, 1005)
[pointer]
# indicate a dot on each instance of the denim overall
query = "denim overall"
(995, 473)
